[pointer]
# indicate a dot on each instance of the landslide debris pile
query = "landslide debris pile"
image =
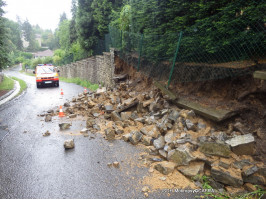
(177, 141)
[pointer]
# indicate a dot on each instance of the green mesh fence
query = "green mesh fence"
(206, 51)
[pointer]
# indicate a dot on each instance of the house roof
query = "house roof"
(45, 53)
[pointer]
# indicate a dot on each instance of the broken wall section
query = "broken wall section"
(97, 70)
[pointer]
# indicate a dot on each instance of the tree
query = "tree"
(72, 27)
(87, 31)
(63, 35)
(101, 14)
(3, 41)
(29, 36)
(63, 17)
(14, 35)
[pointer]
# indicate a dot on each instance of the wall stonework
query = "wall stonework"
(97, 69)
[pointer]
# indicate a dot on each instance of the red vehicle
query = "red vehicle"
(46, 74)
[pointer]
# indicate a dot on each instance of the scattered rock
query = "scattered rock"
(225, 163)
(146, 140)
(109, 133)
(227, 177)
(64, 126)
(255, 179)
(125, 115)
(173, 116)
(48, 118)
(116, 164)
(163, 153)
(109, 108)
(249, 187)
(72, 116)
(233, 191)
(119, 130)
(249, 170)
(47, 133)
(115, 116)
(84, 130)
(146, 194)
(169, 137)
(69, 144)
(242, 144)
(193, 169)
(190, 125)
(151, 131)
(241, 164)
(181, 156)
(145, 189)
(159, 143)
(215, 185)
(135, 137)
(126, 137)
(213, 148)
(66, 104)
(201, 126)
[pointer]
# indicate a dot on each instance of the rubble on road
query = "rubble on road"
(69, 144)
(47, 133)
(180, 145)
(64, 126)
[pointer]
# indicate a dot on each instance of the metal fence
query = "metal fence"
(199, 53)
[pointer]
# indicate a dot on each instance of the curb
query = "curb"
(11, 94)
(7, 94)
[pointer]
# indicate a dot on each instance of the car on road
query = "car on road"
(46, 74)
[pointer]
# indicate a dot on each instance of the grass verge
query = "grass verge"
(7, 84)
(22, 84)
(78, 81)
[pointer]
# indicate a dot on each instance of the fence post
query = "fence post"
(140, 50)
(176, 52)
(121, 40)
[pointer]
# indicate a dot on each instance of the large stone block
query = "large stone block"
(165, 167)
(180, 156)
(216, 149)
(193, 169)
(242, 144)
(227, 177)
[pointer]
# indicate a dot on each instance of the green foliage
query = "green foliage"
(63, 35)
(78, 81)
(3, 38)
(218, 195)
(72, 27)
(87, 31)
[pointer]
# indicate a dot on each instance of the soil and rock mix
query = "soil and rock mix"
(179, 147)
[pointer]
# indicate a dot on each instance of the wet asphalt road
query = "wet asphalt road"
(33, 166)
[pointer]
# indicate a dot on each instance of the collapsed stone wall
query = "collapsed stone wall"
(97, 69)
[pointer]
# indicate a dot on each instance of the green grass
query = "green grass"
(205, 185)
(22, 84)
(26, 73)
(7, 84)
(78, 81)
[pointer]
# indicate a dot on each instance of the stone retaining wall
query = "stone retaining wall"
(98, 69)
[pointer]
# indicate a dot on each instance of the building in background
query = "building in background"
(43, 54)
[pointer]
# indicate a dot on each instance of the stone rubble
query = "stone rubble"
(69, 144)
(176, 139)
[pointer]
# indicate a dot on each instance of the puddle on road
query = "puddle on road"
(77, 124)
